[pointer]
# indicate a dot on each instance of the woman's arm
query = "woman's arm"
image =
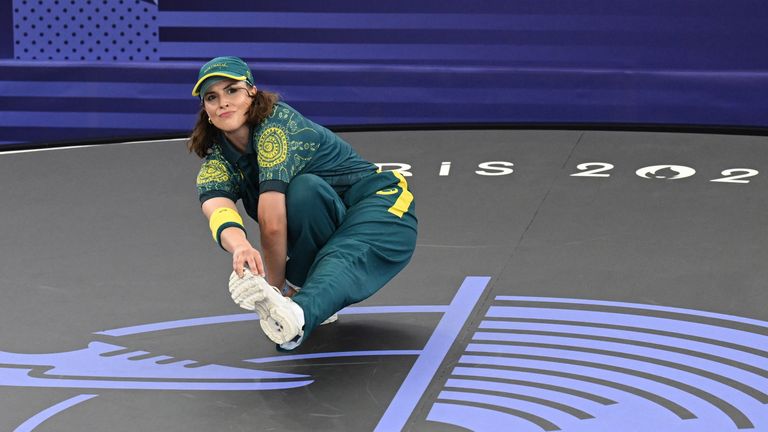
(273, 225)
(233, 239)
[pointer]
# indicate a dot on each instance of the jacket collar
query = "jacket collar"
(230, 153)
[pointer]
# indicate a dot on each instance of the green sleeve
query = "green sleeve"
(217, 179)
(285, 144)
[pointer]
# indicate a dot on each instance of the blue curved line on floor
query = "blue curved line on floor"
(47, 413)
(727, 369)
(557, 398)
(478, 419)
(753, 338)
(544, 416)
(634, 334)
(637, 306)
(284, 358)
(221, 319)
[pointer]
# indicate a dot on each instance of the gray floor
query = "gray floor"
(615, 301)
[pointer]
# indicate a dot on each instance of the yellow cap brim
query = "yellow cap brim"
(196, 88)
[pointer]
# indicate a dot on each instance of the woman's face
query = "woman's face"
(227, 102)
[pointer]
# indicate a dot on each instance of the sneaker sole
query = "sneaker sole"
(254, 293)
(331, 319)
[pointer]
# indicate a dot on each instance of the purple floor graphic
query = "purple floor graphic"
(111, 367)
(44, 415)
(531, 364)
(432, 356)
(106, 366)
(581, 365)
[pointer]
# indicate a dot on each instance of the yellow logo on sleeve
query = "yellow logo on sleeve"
(272, 147)
(213, 171)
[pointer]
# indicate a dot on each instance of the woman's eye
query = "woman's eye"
(210, 98)
(232, 90)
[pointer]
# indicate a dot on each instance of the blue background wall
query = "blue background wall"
(78, 70)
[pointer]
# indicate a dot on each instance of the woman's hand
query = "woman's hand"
(246, 255)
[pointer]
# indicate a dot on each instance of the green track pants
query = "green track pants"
(344, 249)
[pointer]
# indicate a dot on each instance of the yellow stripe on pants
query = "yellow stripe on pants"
(404, 200)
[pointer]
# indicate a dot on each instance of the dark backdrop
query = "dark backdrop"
(82, 70)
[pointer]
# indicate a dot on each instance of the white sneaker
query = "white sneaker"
(292, 344)
(280, 318)
(331, 319)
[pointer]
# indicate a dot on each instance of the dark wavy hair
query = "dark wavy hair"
(204, 134)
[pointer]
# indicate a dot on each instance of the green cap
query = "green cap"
(221, 68)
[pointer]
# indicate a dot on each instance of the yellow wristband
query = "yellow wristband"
(222, 218)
